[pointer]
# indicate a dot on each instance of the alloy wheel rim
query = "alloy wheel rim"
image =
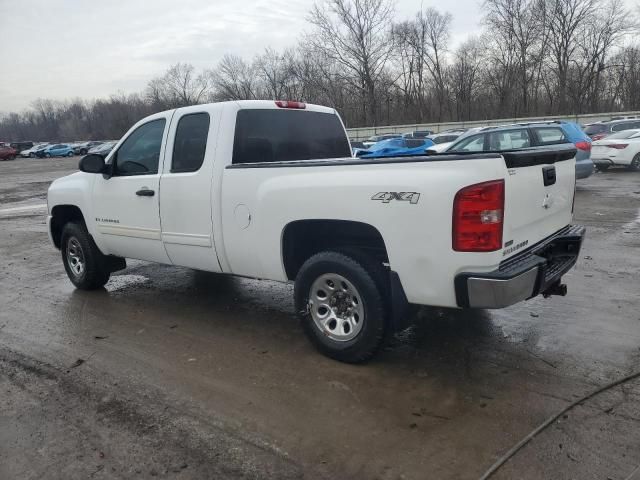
(75, 256)
(336, 307)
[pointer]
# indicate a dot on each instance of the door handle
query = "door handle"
(145, 192)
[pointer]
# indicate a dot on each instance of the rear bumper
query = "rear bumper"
(537, 270)
(584, 168)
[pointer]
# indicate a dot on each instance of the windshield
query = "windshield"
(625, 134)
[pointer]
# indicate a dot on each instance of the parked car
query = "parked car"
(529, 135)
(599, 130)
(104, 148)
(378, 138)
(395, 146)
(31, 152)
(84, 147)
(56, 150)
(8, 153)
(418, 134)
(617, 149)
(442, 141)
(360, 238)
(40, 151)
(20, 146)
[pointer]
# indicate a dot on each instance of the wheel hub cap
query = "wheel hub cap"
(75, 256)
(336, 307)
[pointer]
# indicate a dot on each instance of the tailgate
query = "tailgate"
(539, 190)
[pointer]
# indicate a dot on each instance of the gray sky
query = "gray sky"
(77, 48)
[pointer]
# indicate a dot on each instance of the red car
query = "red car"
(8, 153)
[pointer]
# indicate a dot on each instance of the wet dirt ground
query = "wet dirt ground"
(173, 373)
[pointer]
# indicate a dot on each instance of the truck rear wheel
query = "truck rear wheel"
(84, 262)
(339, 298)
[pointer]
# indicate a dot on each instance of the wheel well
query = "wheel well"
(60, 215)
(303, 238)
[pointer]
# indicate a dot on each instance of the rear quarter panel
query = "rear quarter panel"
(417, 236)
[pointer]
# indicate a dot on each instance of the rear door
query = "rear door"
(186, 189)
(539, 187)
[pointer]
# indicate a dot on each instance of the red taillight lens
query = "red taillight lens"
(598, 136)
(617, 146)
(586, 146)
(290, 104)
(478, 212)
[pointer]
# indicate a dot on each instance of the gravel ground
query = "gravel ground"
(173, 373)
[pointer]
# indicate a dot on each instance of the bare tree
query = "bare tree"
(179, 86)
(234, 79)
(356, 34)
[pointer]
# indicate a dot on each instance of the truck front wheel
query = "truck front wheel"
(339, 298)
(84, 262)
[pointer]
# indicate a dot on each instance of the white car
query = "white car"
(269, 190)
(32, 151)
(618, 149)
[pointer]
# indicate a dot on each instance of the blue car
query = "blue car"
(396, 146)
(57, 150)
(528, 135)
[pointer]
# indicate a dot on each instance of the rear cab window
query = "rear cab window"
(270, 135)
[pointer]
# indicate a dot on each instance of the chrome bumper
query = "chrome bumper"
(537, 270)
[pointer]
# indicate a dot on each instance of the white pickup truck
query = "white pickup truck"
(270, 190)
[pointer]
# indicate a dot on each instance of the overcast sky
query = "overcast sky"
(77, 48)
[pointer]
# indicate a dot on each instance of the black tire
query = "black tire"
(47, 155)
(95, 272)
(635, 163)
(70, 154)
(368, 277)
(602, 168)
(83, 151)
(32, 155)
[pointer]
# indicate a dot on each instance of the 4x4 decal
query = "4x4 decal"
(386, 197)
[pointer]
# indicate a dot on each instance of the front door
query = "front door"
(126, 205)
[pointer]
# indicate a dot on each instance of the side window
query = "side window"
(550, 135)
(471, 144)
(140, 152)
(621, 126)
(509, 140)
(190, 143)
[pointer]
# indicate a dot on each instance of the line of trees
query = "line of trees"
(535, 57)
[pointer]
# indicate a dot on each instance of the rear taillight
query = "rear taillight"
(617, 146)
(478, 212)
(586, 146)
(290, 104)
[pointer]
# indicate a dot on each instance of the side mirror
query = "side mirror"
(92, 163)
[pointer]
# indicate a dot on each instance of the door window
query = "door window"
(621, 126)
(140, 152)
(509, 140)
(190, 143)
(550, 135)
